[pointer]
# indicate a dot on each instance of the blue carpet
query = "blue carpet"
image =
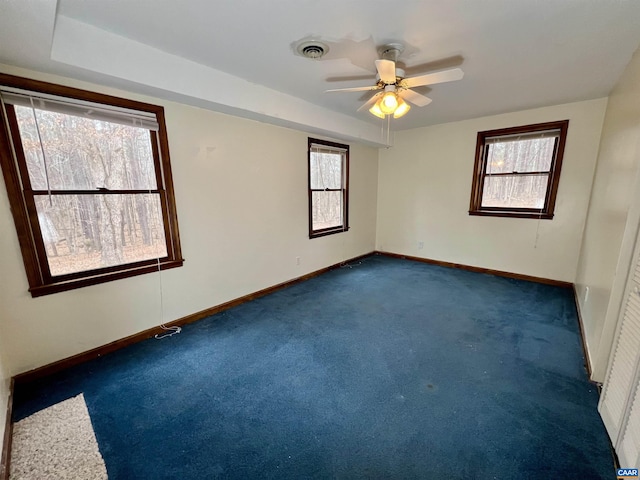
(390, 369)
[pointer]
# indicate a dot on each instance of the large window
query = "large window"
(89, 182)
(517, 170)
(328, 187)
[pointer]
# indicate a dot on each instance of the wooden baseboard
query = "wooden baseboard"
(585, 351)
(499, 273)
(79, 358)
(60, 365)
(5, 461)
(518, 276)
(55, 367)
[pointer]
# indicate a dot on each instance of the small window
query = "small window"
(328, 188)
(89, 182)
(517, 171)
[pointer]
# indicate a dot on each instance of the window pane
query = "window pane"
(85, 154)
(326, 209)
(532, 155)
(515, 191)
(326, 170)
(85, 232)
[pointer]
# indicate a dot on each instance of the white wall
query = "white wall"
(242, 207)
(5, 381)
(611, 226)
(241, 194)
(424, 188)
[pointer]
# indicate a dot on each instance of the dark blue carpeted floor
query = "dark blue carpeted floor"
(390, 369)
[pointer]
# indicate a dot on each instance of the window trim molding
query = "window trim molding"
(480, 165)
(32, 258)
(345, 190)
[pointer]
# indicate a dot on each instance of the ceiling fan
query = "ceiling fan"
(393, 88)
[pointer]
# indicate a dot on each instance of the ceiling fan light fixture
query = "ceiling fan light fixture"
(389, 103)
(393, 87)
(375, 110)
(403, 107)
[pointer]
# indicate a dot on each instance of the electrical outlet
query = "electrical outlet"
(297, 260)
(586, 294)
(420, 245)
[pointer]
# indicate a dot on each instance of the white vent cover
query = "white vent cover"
(313, 50)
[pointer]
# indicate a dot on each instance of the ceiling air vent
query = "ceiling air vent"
(312, 50)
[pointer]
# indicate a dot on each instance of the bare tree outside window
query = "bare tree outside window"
(517, 170)
(328, 179)
(89, 181)
(514, 190)
(89, 230)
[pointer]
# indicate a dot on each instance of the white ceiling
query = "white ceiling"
(238, 56)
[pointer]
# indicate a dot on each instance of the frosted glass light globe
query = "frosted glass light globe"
(389, 103)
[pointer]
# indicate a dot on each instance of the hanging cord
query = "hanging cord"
(388, 129)
(13, 147)
(386, 122)
(349, 265)
(535, 243)
(343, 185)
(175, 329)
(44, 158)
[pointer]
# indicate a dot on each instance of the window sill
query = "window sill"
(512, 214)
(57, 287)
(327, 231)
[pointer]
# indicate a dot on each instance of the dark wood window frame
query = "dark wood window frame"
(22, 203)
(314, 233)
(480, 172)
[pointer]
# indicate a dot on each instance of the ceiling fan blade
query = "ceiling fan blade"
(433, 78)
(415, 98)
(369, 102)
(354, 78)
(434, 65)
(387, 71)
(354, 89)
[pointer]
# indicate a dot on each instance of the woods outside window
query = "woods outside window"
(328, 187)
(517, 170)
(89, 182)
